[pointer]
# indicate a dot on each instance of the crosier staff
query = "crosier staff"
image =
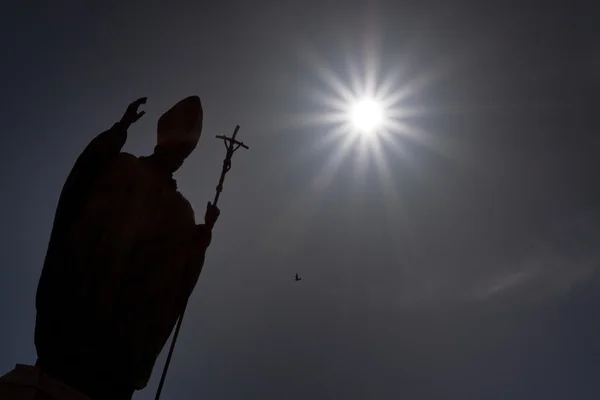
(231, 144)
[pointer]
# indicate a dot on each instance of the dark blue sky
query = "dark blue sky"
(479, 280)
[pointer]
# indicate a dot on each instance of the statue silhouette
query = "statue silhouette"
(124, 255)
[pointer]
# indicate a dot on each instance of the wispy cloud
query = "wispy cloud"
(564, 256)
(504, 282)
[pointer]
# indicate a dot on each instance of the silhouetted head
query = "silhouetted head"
(178, 133)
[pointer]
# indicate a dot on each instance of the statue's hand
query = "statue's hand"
(131, 114)
(211, 216)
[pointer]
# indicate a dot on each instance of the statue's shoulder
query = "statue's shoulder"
(126, 157)
(122, 170)
(127, 161)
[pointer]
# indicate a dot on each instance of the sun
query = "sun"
(367, 116)
(363, 113)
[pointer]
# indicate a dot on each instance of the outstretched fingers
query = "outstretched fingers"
(141, 100)
(133, 108)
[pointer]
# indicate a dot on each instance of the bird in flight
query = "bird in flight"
(297, 278)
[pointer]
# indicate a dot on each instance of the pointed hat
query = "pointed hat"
(181, 125)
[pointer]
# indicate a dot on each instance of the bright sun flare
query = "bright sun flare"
(367, 115)
(360, 119)
(364, 115)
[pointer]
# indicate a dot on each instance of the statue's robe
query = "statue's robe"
(124, 256)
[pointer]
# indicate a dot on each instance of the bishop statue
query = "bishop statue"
(125, 253)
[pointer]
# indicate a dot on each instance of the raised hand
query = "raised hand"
(131, 114)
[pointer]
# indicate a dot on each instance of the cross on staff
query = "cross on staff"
(231, 144)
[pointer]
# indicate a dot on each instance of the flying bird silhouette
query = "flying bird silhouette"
(297, 278)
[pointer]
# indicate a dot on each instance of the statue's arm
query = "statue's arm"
(89, 164)
(104, 147)
(107, 145)
(201, 239)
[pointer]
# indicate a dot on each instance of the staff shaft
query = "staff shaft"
(230, 142)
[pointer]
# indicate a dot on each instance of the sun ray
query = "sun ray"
(371, 70)
(383, 102)
(425, 139)
(356, 83)
(386, 178)
(390, 140)
(331, 137)
(395, 98)
(298, 213)
(335, 83)
(384, 172)
(324, 73)
(398, 221)
(330, 169)
(406, 112)
(386, 87)
(362, 161)
(329, 100)
(368, 115)
(310, 119)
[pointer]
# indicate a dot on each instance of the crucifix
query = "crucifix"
(231, 146)
(229, 143)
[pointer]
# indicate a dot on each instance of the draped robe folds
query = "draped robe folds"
(124, 256)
